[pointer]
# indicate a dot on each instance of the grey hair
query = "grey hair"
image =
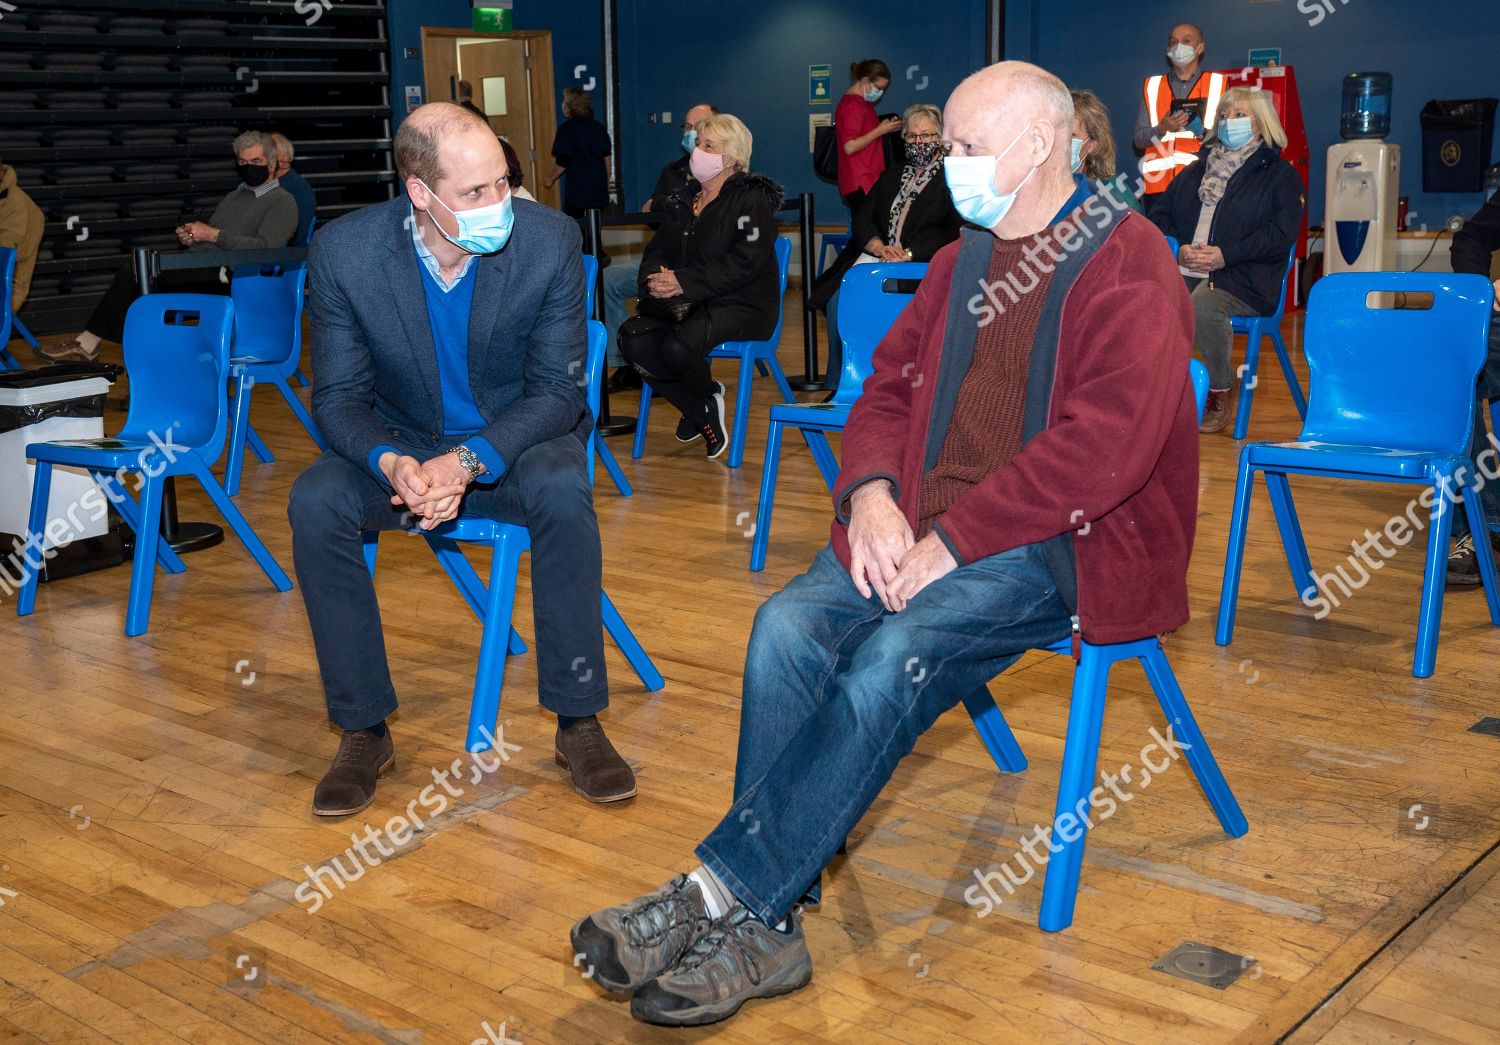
(249, 139)
(927, 109)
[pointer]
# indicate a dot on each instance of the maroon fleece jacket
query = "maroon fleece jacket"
(1119, 452)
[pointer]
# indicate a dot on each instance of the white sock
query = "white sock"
(717, 899)
(781, 926)
(88, 341)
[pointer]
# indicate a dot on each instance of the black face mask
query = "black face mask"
(920, 154)
(253, 174)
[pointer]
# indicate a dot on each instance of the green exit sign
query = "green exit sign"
(492, 20)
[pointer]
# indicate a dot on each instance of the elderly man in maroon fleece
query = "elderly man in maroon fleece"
(1023, 464)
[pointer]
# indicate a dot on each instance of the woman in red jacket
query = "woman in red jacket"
(859, 130)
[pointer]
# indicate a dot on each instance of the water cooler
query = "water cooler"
(1364, 181)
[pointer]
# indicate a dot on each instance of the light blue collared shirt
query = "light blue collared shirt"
(429, 259)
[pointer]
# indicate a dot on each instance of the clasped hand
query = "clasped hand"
(432, 491)
(663, 283)
(883, 555)
(1201, 257)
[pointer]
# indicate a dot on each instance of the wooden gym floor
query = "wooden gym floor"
(154, 802)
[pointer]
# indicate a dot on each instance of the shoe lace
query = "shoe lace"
(353, 748)
(724, 935)
(1465, 545)
(660, 915)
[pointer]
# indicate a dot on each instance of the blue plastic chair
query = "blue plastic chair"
(268, 306)
(867, 308)
(297, 374)
(177, 352)
(1254, 328)
(7, 321)
(1392, 401)
(600, 446)
(493, 605)
(1081, 746)
(835, 241)
(760, 353)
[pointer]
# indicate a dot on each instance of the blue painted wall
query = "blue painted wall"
(1435, 49)
(754, 65)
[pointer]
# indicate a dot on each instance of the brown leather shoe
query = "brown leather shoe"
(1218, 410)
(68, 351)
(349, 784)
(599, 773)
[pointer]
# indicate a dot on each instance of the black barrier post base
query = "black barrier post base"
(185, 537)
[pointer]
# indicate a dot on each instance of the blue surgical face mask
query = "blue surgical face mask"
(971, 183)
(483, 230)
(1237, 132)
(1077, 155)
(689, 140)
(874, 94)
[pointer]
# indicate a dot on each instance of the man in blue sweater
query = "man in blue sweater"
(448, 340)
(297, 185)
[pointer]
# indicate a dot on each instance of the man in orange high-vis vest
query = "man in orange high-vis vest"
(1169, 138)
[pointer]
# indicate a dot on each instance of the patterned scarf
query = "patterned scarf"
(1222, 164)
(913, 180)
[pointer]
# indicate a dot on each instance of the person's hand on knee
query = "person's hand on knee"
(926, 561)
(879, 536)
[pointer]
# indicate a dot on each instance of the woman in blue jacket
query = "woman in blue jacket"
(1236, 212)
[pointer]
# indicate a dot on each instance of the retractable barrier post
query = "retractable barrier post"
(811, 380)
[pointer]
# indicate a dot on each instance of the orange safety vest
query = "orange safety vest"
(1164, 160)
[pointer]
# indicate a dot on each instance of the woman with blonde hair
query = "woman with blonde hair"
(707, 276)
(1094, 149)
(1237, 212)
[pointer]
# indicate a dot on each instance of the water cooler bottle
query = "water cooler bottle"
(1364, 181)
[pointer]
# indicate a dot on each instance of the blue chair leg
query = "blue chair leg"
(1292, 384)
(490, 674)
(239, 424)
(998, 739)
(612, 466)
(456, 565)
(372, 548)
(626, 640)
(828, 465)
(642, 419)
(8, 361)
(1185, 729)
(1483, 553)
(742, 398)
(166, 558)
(41, 491)
(300, 377)
(761, 538)
(1080, 758)
(1234, 556)
(761, 368)
(19, 329)
(143, 569)
(1248, 379)
(240, 525)
(258, 446)
(1304, 580)
(303, 416)
(516, 645)
(1435, 581)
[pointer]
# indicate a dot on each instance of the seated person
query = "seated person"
(1234, 261)
(257, 215)
(1475, 247)
(621, 278)
(907, 216)
(297, 185)
(958, 541)
(447, 336)
(1094, 142)
(21, 225)
(707, 276)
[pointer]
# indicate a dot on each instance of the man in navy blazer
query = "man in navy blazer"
(448, 344)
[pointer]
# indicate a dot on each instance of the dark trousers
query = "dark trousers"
(546, 489)
(1479, 439)
(673, 357)
(108, 318)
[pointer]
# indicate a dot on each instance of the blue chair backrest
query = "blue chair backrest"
(1199, 373)
(590, 281)
(1286, 277)
(177, 353)
(867, 310)
(312, 224)
(7, 275)
(268, 302)
(783, 248)
(1401, 378)
(593, 364)
(1173, 245)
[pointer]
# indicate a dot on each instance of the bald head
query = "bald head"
(698, 113)
(995, 104)
(434, 135)
(1186, 33)
(285, 153)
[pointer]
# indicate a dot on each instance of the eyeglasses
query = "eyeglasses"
(925, 137)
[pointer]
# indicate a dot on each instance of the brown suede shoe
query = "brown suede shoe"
(1218, 411)
(68, 351)
(349, 785)
(599, 773)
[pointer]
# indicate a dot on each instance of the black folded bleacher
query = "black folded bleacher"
(119, 125)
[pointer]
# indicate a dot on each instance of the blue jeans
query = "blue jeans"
(621, 282)
(837, 690)
(1479, 440)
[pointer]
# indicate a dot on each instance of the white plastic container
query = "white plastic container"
(69, 485)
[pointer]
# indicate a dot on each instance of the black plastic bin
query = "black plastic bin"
(1456, 140)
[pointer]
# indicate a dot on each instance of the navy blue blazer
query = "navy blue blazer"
(375, 367)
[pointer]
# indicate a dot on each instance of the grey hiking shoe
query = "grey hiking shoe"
(738, 959)
(628, 945)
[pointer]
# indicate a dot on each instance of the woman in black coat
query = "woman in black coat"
(708, 276)
(908, 216)
(1236, 212)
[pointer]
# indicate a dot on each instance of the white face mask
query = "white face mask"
(1182, 54)
(971, 183)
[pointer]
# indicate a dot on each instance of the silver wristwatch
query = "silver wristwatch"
(470, 460)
